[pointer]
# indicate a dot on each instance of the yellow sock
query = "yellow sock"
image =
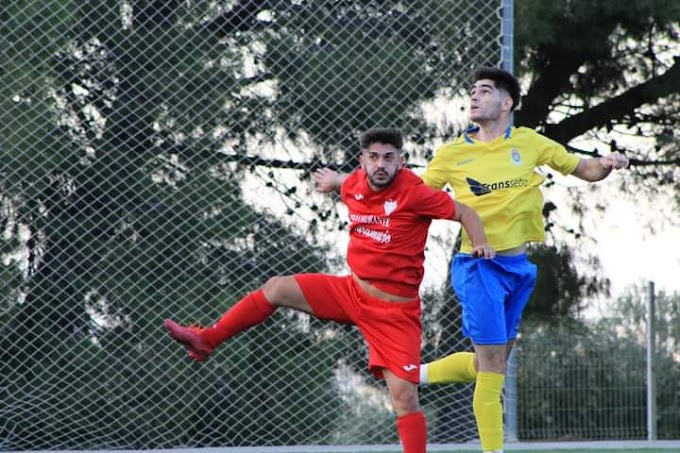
(486, 403)
(454, 368)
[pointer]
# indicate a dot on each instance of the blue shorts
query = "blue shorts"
(493, 294)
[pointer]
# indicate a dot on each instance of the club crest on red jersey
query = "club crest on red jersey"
(390, 206)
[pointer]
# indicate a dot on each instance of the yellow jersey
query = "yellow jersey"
(498, 179)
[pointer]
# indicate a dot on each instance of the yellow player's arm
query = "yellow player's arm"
(597, 168)
(474, 227)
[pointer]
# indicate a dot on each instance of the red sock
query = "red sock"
(413, 432)
(249, 311)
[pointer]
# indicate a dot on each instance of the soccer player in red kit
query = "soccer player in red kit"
(390, 210)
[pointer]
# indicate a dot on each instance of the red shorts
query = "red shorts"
(392, 330)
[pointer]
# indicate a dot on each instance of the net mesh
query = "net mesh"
(155, 163)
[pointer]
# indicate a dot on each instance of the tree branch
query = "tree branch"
(563, 61)
(252, 161)
(616, 107)
(552, 82)
(633, 162)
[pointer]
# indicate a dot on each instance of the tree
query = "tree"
(629, 316)
(561, 289)
(573, 375)
(608, 72)
(130, 128)
(131, 216)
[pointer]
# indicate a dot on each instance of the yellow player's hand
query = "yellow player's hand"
(483, 251)
(615, 161)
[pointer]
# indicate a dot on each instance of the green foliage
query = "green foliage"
(131, 209)
(611, 72)
(30, 34)
(572, 379)
(631, 314)
(335, 65)
(561, 289)
(279, 360)
(595, 374)
(120, 124)
(589, 32)
(629, 317)
(346, 82)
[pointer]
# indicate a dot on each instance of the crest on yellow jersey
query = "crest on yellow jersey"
(515, 156)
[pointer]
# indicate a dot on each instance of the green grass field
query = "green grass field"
(565, 450)
(621, 446)
(596, 450)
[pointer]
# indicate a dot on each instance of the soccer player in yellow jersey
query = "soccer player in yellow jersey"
(491, 168)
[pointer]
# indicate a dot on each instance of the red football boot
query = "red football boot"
(198, 349)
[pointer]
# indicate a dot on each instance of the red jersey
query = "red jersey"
(388, 229)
